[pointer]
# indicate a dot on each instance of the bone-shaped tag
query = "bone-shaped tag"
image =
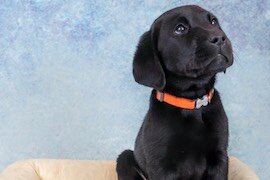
(202, 102)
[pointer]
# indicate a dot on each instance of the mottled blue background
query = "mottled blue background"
(67, 91)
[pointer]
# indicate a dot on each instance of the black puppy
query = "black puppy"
(184, 135)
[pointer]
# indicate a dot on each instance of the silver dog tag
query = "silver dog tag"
(202, 102)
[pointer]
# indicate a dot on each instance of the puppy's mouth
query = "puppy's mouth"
(218, 63)
(222, 56)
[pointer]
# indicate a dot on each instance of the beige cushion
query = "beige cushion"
(47, 169)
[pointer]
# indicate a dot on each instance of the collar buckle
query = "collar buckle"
(160, 96)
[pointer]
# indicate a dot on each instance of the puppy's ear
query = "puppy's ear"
(147, 69)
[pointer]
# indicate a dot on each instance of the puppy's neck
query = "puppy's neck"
(191, 88)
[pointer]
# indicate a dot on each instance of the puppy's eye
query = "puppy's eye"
(214, 21)
(180, 29)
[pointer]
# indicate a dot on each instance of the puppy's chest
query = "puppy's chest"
(190, 133)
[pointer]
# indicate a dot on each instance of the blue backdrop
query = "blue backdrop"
(67, 91)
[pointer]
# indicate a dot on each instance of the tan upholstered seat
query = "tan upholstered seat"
(48, 169)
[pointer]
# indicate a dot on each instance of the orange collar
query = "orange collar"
(183, 102)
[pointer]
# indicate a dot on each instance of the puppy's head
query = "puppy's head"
(186, 41)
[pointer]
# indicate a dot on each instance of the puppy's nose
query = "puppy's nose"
(218, 40)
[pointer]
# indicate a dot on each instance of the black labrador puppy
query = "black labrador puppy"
(185, 132)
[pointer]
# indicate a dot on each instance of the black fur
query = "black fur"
(126, 166)
(175, 143)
